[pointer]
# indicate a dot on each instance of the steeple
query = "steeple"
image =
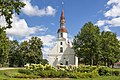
(62, 18)
(62, 23)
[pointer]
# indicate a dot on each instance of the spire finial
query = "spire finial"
(62, 4)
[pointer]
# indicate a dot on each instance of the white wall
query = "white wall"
(55, 57)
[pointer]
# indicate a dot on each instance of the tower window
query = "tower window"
(60, 43)
(66, 63)
(61, 34)
(61, 49)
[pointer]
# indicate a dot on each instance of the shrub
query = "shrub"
(86, 68)
(25, 76)
(24, 71)
(62, 73)
(54, 74)
(116, 73)
(94, 74)
(104, 71)
(48, 67)
(44, 73)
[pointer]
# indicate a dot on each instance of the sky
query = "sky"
(41, 18)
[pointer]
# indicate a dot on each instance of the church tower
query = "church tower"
(61, 53)
(62, 31)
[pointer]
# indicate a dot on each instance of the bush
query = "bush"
(24, 71)
(104, 71)
(116, 73)
(86, 68)
(74, 75)
(94, 74)
(44, 73)
(26, 76)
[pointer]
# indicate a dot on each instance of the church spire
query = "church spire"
(62, 28)
(62, 18)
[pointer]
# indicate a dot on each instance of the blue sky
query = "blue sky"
(41, 18)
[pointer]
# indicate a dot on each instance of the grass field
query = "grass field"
(7, 75)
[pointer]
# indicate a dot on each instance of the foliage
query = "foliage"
(13, 53)
(86, 43)
(115, 72)
(110, 48)
(86, 68)
(31, 50)
(83, 71)
(104, 71)
(9, 74)
(96, 48)
(4, 47)
(8, 8)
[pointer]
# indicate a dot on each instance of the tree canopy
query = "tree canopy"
(4, 47)
(8, 8)
(94, 47)
(28, 51)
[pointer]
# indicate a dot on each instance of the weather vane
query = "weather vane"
(62, 3)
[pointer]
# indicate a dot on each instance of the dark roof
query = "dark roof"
(62, 29)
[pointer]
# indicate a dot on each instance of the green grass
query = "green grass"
(7, 75)
(4, 74)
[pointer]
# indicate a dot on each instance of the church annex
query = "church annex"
(62, 54)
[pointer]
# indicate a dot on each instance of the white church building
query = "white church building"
(61, 53)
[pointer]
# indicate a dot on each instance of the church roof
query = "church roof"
(62, 29)
(117, 63)
(62, 21)
(62, 15)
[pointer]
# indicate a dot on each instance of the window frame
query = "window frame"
(61, 49)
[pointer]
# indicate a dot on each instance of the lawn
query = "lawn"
(7, 75)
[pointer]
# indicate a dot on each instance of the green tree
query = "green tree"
(35, 44)
(13, 57)
(110, 48)
(86, 44)
(8, 8)
(31, 50)
(4, 47)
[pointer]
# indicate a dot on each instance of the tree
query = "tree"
(7, 9)
(110, 48)
(93, 47)
(86, 43)
(35, 44)
(13, 57)
(31, 50)
(4, 47)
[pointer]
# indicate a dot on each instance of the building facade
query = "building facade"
(62, 54)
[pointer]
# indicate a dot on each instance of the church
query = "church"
(62, 53)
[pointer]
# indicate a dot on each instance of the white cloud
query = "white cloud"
(2, 21)
(48, 40)
(114, 11)
(118, 38)
(106, 28)
(114, 21)
(112, 1)
(31, 10)
(53, 24)
(112, 14)
(11, 38)
(100, 23)
(21, 29)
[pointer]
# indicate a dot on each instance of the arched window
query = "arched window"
(60, 43)
(61, 49)
(66, 63)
